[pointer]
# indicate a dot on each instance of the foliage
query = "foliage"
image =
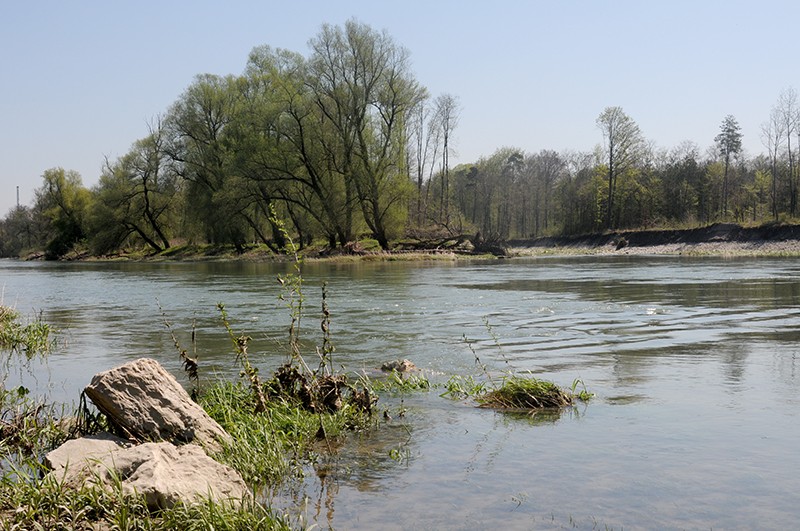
(459, 387)
(31, 339)
(346, 144)
(399, 382)
(63, 202)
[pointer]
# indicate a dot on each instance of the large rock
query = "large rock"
(78, 451)
(142, 398)
(163, 473)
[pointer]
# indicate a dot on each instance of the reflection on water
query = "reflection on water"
(693, 361)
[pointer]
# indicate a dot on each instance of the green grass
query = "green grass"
(396, 382)
(269, 447)
(525, 393)
(31, 339)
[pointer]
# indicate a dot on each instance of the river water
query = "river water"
(693, 362)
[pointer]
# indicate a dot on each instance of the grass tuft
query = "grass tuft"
(519, 392)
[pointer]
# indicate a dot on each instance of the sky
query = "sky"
(81, 80)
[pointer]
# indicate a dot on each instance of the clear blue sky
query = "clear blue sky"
(80, 80)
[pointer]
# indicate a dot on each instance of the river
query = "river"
(693, 362)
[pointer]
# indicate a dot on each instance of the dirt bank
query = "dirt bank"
(719, 239)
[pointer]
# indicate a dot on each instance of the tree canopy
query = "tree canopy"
(345, 143)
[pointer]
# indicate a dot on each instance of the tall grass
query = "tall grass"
(31, 339)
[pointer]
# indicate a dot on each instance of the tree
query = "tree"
(64, 202)
(423, 146)
(772, 136)
(729, 145)
(623, 141)
(135, 196)
(365, 91)
(288, 148)
(446, 118)
(195, 141)
(788, 115)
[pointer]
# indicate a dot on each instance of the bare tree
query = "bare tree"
(787, 112)
(729, 144)
(772, 136)
(446, 115)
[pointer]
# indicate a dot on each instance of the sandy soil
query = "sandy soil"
(719, 239)
(717, 248)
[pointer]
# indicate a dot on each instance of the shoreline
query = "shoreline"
(787, 248)
(721, 239)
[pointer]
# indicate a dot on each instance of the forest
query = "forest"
(345, 144)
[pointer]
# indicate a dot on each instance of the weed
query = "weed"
(584, 395)
(188, 363)
(399, 382)
(526, 393)
(31, 338)
(458, 387)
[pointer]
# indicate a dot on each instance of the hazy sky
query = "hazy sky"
(81, 79)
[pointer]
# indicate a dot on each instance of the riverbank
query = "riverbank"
(720, 239)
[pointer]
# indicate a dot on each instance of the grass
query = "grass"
(518, 392)
(277, 426)
(396, 382)
(31, 339)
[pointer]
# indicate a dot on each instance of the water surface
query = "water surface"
(693, 360)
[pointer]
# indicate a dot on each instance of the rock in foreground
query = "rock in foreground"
(163, 473)
(146, 401)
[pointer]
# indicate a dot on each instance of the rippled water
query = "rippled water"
(694, 363)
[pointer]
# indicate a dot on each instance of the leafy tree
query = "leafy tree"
(195, 142)
(17, 232)
(135, 196)
(365, 91)
(288, 148)
(623, 142)
(63, 202)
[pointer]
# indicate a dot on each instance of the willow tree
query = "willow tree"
(365, 91)
(63, 202)
(623, 143)
(195, 141)
(135, 196)
(290, 146)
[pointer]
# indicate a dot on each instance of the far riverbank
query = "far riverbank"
(720, 239)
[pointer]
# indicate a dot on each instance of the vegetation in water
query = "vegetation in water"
(278, 425)
(517, 392)
(30, 338)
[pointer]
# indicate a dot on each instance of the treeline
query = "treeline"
(346, 144)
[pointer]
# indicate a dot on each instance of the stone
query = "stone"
(146, 401)
(78, 451)
(399, 366)
(163, 473)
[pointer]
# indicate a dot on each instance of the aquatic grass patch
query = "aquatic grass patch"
(398, 382)
(460, 387)
(526, 393)
(270, 447)
(31, 338)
